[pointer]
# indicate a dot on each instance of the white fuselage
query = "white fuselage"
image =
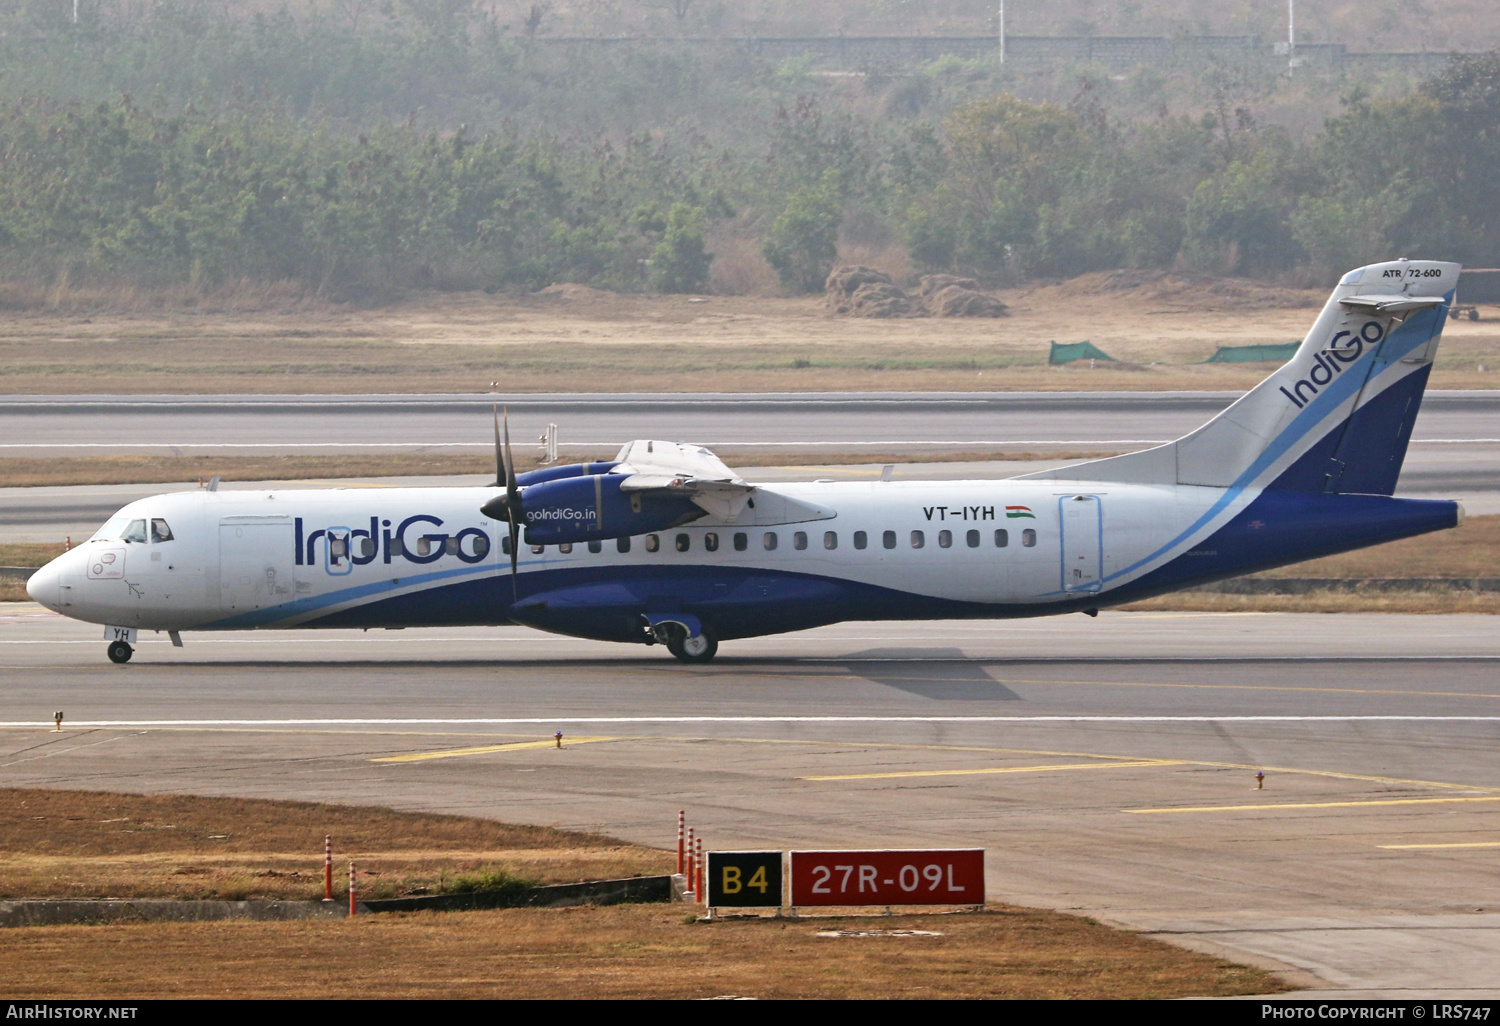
(232, 559)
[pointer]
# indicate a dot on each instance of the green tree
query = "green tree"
(679, 263)
(804, 240)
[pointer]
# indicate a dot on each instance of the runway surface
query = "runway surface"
(55, 425)
(1106, 766)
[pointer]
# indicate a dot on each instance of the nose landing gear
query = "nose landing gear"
(119, 652)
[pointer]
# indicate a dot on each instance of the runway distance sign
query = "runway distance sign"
(953, 876)
(744, 879)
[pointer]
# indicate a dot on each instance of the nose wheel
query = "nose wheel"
(119, 652)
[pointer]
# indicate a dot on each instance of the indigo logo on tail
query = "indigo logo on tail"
(1344, 348)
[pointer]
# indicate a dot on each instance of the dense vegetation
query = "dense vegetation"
(428, 147)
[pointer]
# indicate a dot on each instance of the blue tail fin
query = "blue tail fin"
(1337, 417)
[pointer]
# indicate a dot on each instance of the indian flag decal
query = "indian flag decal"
(1019, 511)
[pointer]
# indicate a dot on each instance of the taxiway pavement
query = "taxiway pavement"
(827, 422)
(1106, 766)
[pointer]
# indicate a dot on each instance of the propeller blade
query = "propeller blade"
(500, 455)
(512, 506)
(515, 545)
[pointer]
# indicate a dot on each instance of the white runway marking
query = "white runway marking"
(550, 720)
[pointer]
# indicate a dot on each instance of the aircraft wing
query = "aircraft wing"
(682, 469)
(694, 473)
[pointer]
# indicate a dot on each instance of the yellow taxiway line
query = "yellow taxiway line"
(1464, 844)
(517, 746)
(1315, 805)
(1003, 769)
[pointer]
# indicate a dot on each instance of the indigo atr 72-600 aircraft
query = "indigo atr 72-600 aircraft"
(667, 544)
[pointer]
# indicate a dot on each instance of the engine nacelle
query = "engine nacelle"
(593, 508)
(532, 477)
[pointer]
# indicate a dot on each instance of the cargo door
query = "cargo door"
(255, 563)
(1082, 542)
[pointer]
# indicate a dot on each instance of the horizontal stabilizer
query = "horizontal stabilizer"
(1390, 304)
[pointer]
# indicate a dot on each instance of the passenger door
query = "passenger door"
(1082, 542)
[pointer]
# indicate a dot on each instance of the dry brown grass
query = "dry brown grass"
(1434, 602)
(1472, 549)
(78, 844)
(622, 951)
(84, 844)
(29, 553)
(580, 339)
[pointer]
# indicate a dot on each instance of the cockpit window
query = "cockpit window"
(135, 532)
(160, 532)
(112, 529)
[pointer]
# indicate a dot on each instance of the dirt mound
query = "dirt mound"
(860, 291)
(1203, 293)
(569, 292)
(933, 283)
(957, 301)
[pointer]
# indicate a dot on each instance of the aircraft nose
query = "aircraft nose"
(42, 586)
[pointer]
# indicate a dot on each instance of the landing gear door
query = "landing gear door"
(255, 563)
(1082, 542)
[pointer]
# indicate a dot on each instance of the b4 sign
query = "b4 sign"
(953, 876)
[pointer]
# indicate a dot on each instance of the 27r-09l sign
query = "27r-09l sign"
(953, 876)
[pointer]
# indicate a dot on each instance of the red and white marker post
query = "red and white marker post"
(689, 866)
(327, 867)
(351, 889)
(681, 821)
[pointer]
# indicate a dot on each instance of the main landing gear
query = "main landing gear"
(687, 649)
(692, 650)
(119, 652)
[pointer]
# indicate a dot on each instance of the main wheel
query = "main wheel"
(692, 650)
(119, 652)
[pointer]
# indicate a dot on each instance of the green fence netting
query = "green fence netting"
(1067, 352)
(1279, 353)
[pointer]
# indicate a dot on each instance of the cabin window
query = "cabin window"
(367, 547)
(918, 539)
(799, 540)
(1028, 537)
(653, 542)
(565, 547)
(945, 539)
(684, 542)
(160, 532)
(972, 538)
(596, 545)
(537, 550)
(397, 549)
(711, 542)
(451, 546)
(135, 532)
(830, 539)
(1002, 538)
(622, 544)
(481, 546)
(888, 539)
(424, 547)
(741, 541)
(861, 539)
(504, 546)
(769, 541)
(338, 548)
